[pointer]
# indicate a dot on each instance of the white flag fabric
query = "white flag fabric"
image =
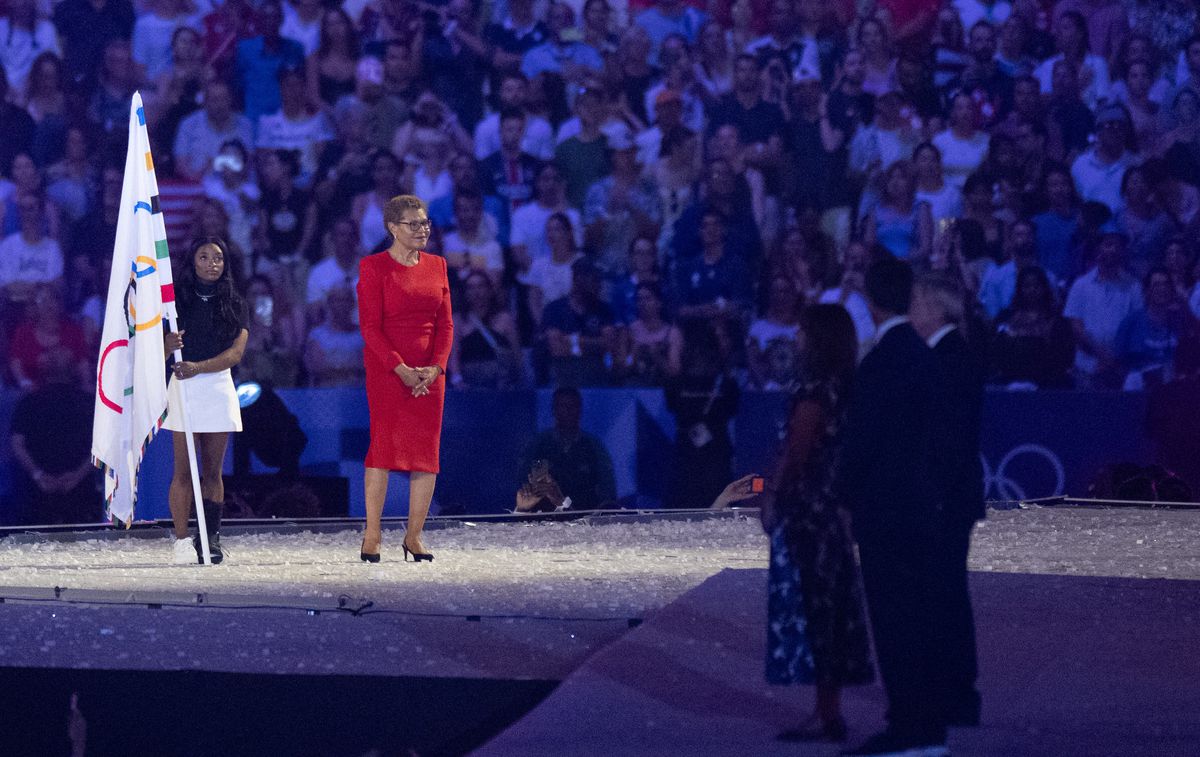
(131, 384)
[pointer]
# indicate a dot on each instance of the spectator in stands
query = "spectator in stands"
(621, 206)
(48, 331)
(527, 235)
(630, 65)
(1137, 86)
(154, 32)
(724, 145)
(815, 140)
(1180, 198)
(28, 256)
(201, 134)
(433, 136)
(288, 220)
(50, 440)
(1071, 44)
(579, 331)
(473, 247)
(487, 350)
(332, 68)
(1098, 172)
(999, 283)
(517, 34)
(85, 28)
(963, 146)
(890, 137)
(759, 124)
(565, 467)
(509, 172)
(550, 278)
(295, 126)
(260, 59)
(900, 222)
(72, 184)
(1179, 258)
(302, 22)
(676, 173)
(715, 283)
(339, 268)
(943, 197)
(667, 17)
(178, 91)
(1057, 227)
(771, 350)
(641, 268)
(1099, 301)
(1146, 340)
(584, 157)
(721, 194)
(15, 124)
(703, 399)
(333, 350)
(367, 210)
(24, 34)
(537, 138)
(1070, 121)
(116, 80)
(849, 293)
(1032, 346)
(228, 181)
(562, 53)
(650, 351)
(878, 58)
(1143, 220)
(273, 351)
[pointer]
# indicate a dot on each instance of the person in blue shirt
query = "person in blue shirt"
(1056, 229)
(259, 60)
(669, 17)
(715, 283)
(570, 58)
(1147, 338)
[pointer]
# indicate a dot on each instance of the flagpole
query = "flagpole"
(185, 418)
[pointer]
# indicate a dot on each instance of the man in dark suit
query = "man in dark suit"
(937, 310)
(886, 477)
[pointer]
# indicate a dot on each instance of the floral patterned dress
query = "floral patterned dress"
(816, 621)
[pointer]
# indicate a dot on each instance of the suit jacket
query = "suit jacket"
(957, 441)
(885, 471)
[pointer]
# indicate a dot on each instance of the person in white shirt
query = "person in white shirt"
(1098, 172)
(538, 140)
(202, 133)
(23, 37)
(152, 33)
(1097, 303)
(472, 246)
(943, 197)
(549, 277)
(1070, 37)
(229, 182)
(339, 268)
(962, 144)
(294, 126)
(527, 235)
(28, 257)
(302, 22)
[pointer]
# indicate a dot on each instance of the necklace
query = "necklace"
(204, 297)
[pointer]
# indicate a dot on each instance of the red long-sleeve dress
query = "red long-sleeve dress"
(404, 314)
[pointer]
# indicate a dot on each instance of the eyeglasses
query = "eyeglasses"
(416, 226)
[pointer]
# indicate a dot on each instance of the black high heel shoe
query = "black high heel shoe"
(416, 556)
(366, 557)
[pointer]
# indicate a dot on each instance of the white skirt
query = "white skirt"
(211, 401)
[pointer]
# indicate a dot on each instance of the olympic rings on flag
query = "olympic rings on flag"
(100, 375)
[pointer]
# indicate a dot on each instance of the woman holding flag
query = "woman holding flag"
(212, 335)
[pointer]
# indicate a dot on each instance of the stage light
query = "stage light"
(248, 393)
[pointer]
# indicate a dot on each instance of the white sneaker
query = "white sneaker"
(182, 552)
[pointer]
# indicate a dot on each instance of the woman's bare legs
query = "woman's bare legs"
(375, 484)
(179, 496)
(210, 449)
(420, 494)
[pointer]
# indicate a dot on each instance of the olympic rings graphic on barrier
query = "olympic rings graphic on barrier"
(100, 375)
(1007, 488)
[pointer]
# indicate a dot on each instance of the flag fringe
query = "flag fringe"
(137, 468)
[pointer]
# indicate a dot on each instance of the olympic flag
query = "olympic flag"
(131, 385)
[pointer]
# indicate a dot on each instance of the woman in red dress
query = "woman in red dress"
(404, 314)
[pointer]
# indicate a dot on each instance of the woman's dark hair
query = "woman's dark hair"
(565, 220)
(231, 306)
(831, 344)
(326, 44)
(1045, 304)
(927, 146)
(1080, 23)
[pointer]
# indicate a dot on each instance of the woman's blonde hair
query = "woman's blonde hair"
(394, 209)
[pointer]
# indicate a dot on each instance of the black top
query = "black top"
(206, 336)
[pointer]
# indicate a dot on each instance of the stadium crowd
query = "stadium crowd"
(627, 193)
